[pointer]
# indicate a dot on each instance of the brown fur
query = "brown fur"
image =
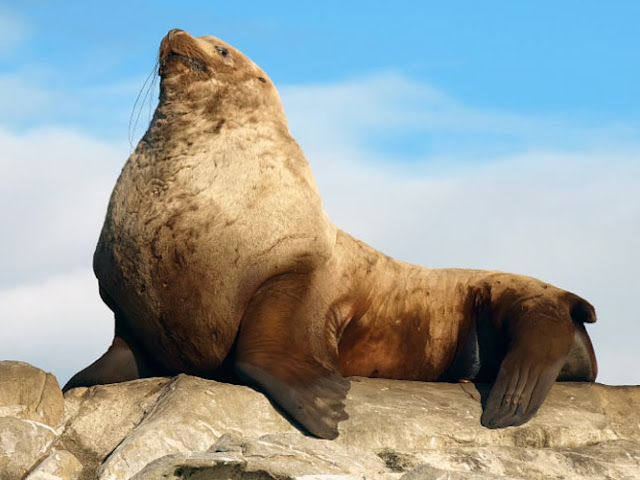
(215, 250)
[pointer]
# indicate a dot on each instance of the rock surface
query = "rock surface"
(187, 427)
(31, 414)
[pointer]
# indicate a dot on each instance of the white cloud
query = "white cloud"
(58, 323)
(569, 217)
(361, 111)
(54, 189)
(54, 185)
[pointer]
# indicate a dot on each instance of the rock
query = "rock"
(28, 393)
(447, 415)
(99, 419)
(290, 454)
(427, 472)
(31, 409)
(189, 416)
(195, 466)
(59, 465)
(22, 444)
(187, 427)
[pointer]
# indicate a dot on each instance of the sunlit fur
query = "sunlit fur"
(216, 199)
(216, 251)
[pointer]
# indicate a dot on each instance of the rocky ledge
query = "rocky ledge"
(190, 428)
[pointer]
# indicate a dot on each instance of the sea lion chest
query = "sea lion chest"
(192, 230)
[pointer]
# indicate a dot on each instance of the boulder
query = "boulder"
(31, 414)
(98, 419)
(58, 465)
(188, 427)
(28, 393)
(22, 444)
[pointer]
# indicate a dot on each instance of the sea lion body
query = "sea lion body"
(216, 250)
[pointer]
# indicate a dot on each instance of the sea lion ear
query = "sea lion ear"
(580, 310)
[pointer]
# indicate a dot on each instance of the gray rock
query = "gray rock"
(187, 427)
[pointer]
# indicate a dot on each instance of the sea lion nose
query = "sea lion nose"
(172, 32)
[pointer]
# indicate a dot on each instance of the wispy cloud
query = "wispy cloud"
(570, 215)
(419, 121)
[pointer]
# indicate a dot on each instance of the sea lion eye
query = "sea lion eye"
(222, 51)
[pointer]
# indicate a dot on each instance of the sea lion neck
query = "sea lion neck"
(205, 103)
(212, 81)
(185, 126)
(175, 118)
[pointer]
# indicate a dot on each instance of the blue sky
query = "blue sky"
(576, 59)
(501, 135)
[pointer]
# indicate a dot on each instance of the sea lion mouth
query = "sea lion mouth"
(179, 46)
(193, 63)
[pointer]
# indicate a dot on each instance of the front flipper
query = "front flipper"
(313, 396)
(117, 364)
(123, 361)
(284, 349)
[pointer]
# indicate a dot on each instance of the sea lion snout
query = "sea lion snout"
(167, 44)
(180, 47)
(174, 31)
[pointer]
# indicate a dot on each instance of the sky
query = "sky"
(497, 135)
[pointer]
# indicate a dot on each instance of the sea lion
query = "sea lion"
(216, 252)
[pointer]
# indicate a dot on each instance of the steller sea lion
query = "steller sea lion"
(216, 252)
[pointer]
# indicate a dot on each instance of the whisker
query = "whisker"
(150, 101)
(140, 101)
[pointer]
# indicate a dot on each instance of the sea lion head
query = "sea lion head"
(208, 75)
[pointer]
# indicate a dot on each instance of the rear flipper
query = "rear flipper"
(518, 392)
(123, 361)
(283, 350)
(581, 364)
(545, 338)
